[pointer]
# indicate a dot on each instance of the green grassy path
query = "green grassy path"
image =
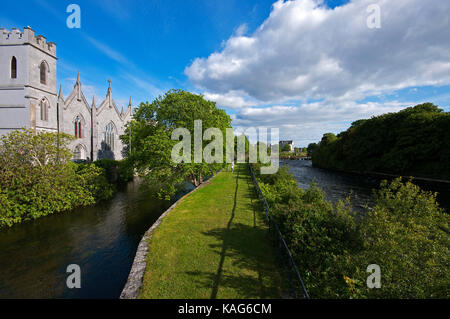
(214, 244)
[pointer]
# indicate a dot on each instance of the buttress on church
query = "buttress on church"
(29, 99)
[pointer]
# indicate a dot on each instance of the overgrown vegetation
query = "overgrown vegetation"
(37, 177)
(405, 233)
(412, 142)
(117, 172)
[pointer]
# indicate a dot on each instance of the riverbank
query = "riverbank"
(213, 244)
(411, 142)
(387, 175)
(101, 239)
(338, 184)
(404, 232)
(293, 156)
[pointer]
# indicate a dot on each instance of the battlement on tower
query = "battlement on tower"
(16, 36)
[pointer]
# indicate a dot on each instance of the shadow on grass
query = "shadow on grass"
(249, 248)
(225, 242)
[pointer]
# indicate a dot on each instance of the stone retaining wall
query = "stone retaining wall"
(134, 281)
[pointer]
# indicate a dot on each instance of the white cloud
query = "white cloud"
(305, 124)
(231, 99)
(306, 50)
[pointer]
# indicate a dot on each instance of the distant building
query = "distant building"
(290, 143)
(28, 99)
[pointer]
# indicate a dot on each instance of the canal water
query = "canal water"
(101, 239)
(338, 185)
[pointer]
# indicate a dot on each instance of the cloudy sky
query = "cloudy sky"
(306, 67)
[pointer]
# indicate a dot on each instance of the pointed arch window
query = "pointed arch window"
(43, 76)
(13, 68)
(78, 127)
(77, 153)
(44, 109)
(109, 137)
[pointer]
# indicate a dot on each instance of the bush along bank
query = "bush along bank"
(117, 172)
(406, 234)
(37, 177)
(412, 142)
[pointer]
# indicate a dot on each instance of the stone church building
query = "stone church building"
(29, 99)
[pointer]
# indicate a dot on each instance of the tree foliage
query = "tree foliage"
(286, 148)
(116, 172)
(405, 233)
(312, 147)
(37, 177)
(414, 141)
(151, 131)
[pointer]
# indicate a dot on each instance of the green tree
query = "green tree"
(286, 148)
(407, 235)
(151, 131)
(37, 177)
(414, 141)
(311, 148)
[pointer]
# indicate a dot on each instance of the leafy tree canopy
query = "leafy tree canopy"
(151, 143)
(414, 141)
(37, 177)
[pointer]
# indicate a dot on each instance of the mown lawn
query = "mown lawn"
(214, 244)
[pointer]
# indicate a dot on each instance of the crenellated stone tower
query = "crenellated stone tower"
(28, 99)
(27, 81)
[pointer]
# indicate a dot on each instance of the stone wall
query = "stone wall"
(136, 276)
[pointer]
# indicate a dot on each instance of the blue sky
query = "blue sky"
(152, 41)
(307, 66)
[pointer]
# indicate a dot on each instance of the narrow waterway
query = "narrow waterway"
(101, 239)
(338, 185)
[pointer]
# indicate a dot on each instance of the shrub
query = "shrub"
(37, 177)
(406, 234)
(315, 231)
(94, 179)
(110, 168)
(126, 171)
(116, 171)
(413, 142)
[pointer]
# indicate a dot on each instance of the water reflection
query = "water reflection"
(101, 239)
(337, 185)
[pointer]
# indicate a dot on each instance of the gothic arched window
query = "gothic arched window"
(44, 109)
(43, 72)
(13, 68)
(77, 153)
(78, 127)
(109, 137)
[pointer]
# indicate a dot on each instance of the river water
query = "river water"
(338, 185)
(101, 239)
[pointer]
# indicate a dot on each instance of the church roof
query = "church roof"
(109, 101)
(77, 92)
